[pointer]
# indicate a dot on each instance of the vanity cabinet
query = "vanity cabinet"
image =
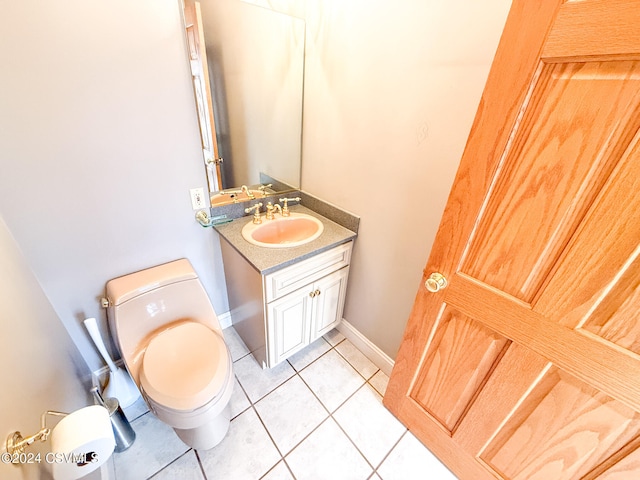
(279, 313)
(297, 319)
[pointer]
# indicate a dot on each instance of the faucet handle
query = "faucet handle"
(285, 208)
(256, 214)
(230, 192)
(263, 189)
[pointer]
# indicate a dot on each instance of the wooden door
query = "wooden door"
(527, 364)
(202, 93)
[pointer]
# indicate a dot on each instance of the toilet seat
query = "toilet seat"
(185, 366)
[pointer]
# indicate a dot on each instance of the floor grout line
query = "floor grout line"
(204, 474)
(329, 414)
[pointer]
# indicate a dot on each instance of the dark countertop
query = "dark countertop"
(268, 260)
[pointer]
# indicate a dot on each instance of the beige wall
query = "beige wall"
(391, 89)
(99, 147)
(41, 368)
(100, 142)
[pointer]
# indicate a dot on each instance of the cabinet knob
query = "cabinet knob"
(435, 282)
(315, 293)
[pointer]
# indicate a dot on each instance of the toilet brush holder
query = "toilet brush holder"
(122, 431)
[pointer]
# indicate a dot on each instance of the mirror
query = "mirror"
(248, 84)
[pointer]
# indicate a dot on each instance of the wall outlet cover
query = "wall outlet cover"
(198, 198)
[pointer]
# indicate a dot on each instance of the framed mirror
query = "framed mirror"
(247, 64)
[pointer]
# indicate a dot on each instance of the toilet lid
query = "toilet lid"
(185, 366)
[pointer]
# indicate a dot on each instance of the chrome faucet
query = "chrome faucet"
(256, 214)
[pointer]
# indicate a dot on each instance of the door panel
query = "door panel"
(513, 378)
(595, 361)
(595, 29)
(527, 365)
(612, 226)
(456, 366)
(617, 317)
(548, 173)
(545, 437)
(620, 467)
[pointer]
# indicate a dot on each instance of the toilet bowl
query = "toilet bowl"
(171, 343)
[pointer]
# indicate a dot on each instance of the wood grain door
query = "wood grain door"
(527, 364)
(202, 93)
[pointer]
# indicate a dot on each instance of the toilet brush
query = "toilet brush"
(120, 384)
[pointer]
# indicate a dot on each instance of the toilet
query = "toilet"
(171, 343)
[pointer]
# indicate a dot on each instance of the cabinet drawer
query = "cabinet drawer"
(307, 271)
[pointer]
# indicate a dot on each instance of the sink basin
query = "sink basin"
(283, 232)
(226, 199)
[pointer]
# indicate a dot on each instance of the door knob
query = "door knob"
(436, 282)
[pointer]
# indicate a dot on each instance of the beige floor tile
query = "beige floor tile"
(246, 453)
(332, 379)
(256, 381)
(380, 381)
(239, 401)
(290, 413)
(236, 346)
(411, 460)
(156, 446)
(369, 424)
(279, 472)
(334, 337)
(310, 353)
(357, 359)
(328, 454)
(186, 467)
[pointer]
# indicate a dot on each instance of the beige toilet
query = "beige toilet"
(171, 342)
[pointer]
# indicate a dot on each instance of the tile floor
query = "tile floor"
(318, 415)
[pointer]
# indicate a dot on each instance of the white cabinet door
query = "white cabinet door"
(289, 321)
(328, 302)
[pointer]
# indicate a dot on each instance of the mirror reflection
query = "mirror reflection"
(247, 66)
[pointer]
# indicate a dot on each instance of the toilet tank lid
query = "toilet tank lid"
(124, 288)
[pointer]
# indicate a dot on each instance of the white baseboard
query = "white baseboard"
(370, 350)
(225, 320)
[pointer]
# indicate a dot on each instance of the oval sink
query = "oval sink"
(225, 199)
(282, 232)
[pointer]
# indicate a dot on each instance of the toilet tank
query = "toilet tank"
(143, 303)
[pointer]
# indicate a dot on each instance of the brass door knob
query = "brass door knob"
(435, 282)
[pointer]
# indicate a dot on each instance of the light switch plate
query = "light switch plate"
(198, 198)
